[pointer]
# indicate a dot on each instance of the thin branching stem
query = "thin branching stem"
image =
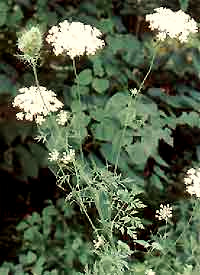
(129, 104)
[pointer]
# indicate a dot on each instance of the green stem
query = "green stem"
(129, 104)
(78, 83)
(81, 202)
(35, 75)
(112, 224)
(79, 100)
(37, 84)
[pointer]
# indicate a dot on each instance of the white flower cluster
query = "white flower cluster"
(164, 213)
(150, 272)
(99, 242)
(134, 92)
(74, 39)
(36, 103)
(174, 24)
(192, 182)
(63, 117)
(63, 158)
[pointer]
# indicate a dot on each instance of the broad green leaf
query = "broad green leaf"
(106, 130)
(39, 153)
(106, 25)
(84, 90)
(3, 12)
(117, 103)
(6, 87)
(198, 152)
(4, 270)
(85, 77)
(100, 85)
(156, 181)
(27, 161)
(184, 4)
(139, 152)
(38, 267)
(22, 226)
(27, 259)
(15, 17)
(97, 66)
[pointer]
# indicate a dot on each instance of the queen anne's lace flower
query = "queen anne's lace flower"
(100, 242)
(62, 158)
(192, 182)
(67, 158)
(63, 117)
(74, 39)
(36, 103)
(173, 24)
(54, 155)
(164, 213)
(134, 91)
(20, 116)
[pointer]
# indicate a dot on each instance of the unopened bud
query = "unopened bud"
(30, 43)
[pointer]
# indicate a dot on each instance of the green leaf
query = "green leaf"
(27, 161)
(100, 85)
(191, 119)
(6, 87)
(198, 152)
(3, 13)
(85, 77)
(156, 181)
(15, 17)
(79, 123)
(38, 267)
(33, 235)
(157, 246)
(117, 103)
(84, 90)
(184, 4)
(4, 270)
(22, 226)
(106, 25)
(106, 129)
(139, 152)
(97, 66)
(39, 153)
(103, 205)
(34, 218)
(27, 259)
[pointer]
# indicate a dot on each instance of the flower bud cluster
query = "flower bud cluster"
(30, 43)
